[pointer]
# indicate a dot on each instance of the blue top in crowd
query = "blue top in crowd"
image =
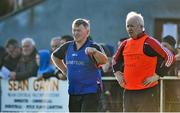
(45, 65)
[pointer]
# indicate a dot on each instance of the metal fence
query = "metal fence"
(162, 79)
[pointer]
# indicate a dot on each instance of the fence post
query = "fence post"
(161, 95)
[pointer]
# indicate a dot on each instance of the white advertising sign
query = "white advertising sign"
(35, 96)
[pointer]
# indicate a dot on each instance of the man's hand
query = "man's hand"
(62, 76)
(100, 57)
(90, 50)
(120, 78)
(151, 79)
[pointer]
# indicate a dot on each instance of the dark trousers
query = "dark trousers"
(146, 100)
(84, 102)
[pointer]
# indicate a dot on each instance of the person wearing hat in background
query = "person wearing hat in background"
(172, 91)
(169, 42)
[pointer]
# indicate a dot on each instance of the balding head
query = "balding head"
(55, 43)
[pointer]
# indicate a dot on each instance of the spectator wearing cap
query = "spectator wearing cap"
(169, 42)
(172, 91)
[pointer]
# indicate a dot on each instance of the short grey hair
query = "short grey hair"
(81, 21)
(28, 40)
(137, 16)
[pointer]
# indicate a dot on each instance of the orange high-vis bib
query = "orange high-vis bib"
(137, 65)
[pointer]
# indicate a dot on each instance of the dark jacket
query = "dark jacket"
(27, 66)
(10, 62)
(2, 55)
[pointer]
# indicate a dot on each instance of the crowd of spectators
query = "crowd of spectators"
(22, 61)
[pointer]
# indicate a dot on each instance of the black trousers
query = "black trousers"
(84, 102)
(146, 100)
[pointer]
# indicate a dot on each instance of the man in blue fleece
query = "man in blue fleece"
(82, 58)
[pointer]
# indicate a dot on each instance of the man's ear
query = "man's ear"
(88, 32)
(143, 28)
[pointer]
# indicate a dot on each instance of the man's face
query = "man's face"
(133, 27)
(10, 49)
(167, 45)
(80, 33)
(17, 52)
(55, 44)
(14, 51)
(27, 49)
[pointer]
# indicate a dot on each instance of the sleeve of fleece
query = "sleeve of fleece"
(30, 70)
(118, 60)
(61, 51)
(165, 53)
(99, 48)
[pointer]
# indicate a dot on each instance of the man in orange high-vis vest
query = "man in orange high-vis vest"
(135, 65)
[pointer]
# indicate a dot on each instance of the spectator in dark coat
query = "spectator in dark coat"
(2, 54)
(13, 54)
(27, 66)
(172, 91)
